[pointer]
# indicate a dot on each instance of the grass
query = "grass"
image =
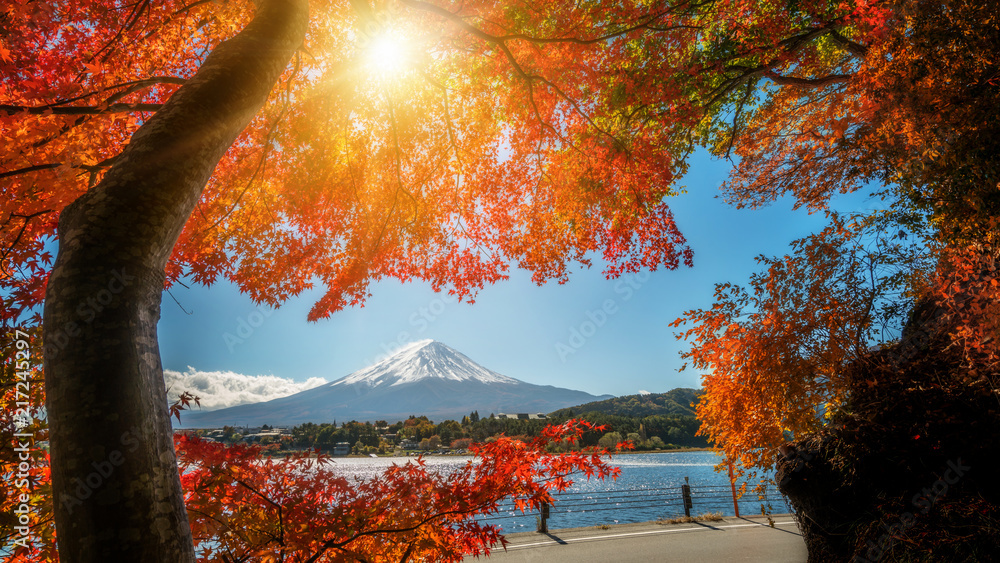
(707, 517)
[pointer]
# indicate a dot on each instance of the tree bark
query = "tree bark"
(115, 482)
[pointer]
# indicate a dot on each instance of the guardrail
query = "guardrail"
(570, 509)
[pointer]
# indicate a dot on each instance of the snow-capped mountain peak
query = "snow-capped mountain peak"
(421, 360)
(423, 378)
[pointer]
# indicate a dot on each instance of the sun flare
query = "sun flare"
(387, 55)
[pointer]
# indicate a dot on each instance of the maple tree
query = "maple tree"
(774, 353)
(342, 143)
(391, 196)
(918, 112)
(796, 357)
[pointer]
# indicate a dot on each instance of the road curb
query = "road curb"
(521, 540)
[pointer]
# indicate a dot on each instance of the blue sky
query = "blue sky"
(545, 335)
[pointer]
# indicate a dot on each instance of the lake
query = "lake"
(649, 488)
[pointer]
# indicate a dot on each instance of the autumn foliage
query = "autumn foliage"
(909, 452)
(915, 110)
(774, 352)
(527, 133)
(302, 508)
(503, 138)
(864, 364)
(543, 134)
(245, 506)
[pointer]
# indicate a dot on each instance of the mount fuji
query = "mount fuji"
(423, 378)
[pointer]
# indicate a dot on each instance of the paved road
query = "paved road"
(745, 540)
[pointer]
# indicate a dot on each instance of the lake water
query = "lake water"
(649, 488)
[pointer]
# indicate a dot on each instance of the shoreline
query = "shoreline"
(413, 453)
(671, 451)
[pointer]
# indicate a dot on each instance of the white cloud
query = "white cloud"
(221, 389)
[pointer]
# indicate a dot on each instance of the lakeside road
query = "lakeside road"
(747, 540)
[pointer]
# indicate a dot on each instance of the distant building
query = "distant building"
(523, 416)
(273, 434)
(407, 444)
(342, 448)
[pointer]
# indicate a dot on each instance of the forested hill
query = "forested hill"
(675, 402)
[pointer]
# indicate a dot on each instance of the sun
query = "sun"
(387, 55)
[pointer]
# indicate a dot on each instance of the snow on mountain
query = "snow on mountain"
(421, 360)
(424, 378)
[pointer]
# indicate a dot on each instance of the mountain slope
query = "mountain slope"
(675, 402)
(426, 378)
(421, 360)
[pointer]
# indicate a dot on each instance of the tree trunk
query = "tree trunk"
(115, 483)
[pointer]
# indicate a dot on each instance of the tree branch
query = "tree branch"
(808, 82)
(736, 117)
(110, 105)
(30, 169)
(501, 43)
(855, 48)
(644, 23)
(142, 84)
(88, 167)
(332, 544)
(134, 86)
(790, 46)
(78, 110)
(17, 239)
